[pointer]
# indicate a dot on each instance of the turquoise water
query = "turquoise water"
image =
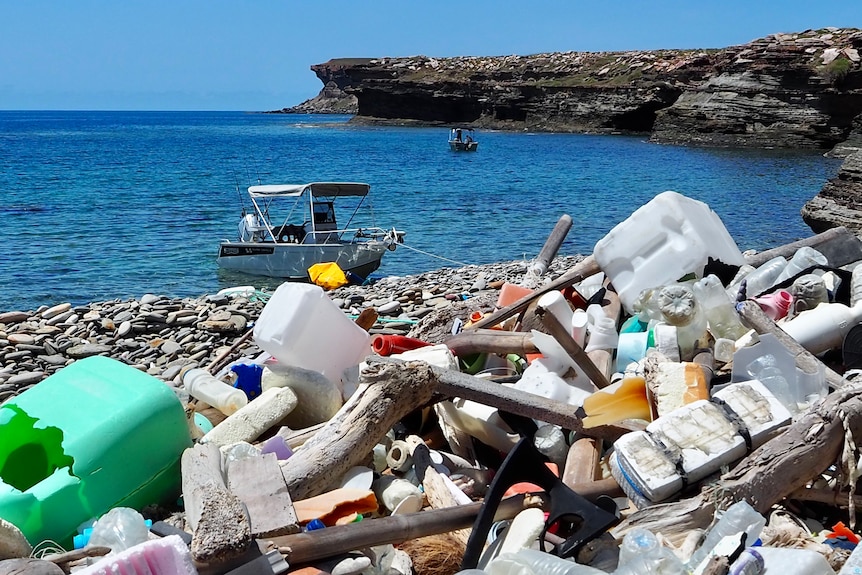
(104, 205)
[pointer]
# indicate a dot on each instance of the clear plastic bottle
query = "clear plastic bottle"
(203, 386)
(721, 316)
(737, 518)
(765, 370)
(679, 307)
(763, 278)
(534, 562)
(804, 258)
(641, 553)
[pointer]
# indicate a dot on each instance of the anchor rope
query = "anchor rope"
(423, 252)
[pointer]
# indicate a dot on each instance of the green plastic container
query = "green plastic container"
(95, 435)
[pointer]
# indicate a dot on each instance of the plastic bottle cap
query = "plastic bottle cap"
(315, 524)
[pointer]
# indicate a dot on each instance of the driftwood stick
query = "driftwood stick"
(452, 383)
(755, 318)
(322, 543)
(575, 351)
(491, 341)
(552, 246)
(777, 469)
(838, 235)
(396, 389)
(224, 356)
(583, 269)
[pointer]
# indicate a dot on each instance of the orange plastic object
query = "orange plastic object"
(331, 506)
(628, 401)
(510, 293)
(527, 487)
(383, 344)
(841, 530)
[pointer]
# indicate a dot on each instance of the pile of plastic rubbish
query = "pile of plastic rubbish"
(667, 406)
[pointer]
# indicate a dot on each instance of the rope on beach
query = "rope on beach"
(462, 264)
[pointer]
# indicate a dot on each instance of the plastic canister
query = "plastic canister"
(669, 237)
(301, 326)
(203, 386)
(95, 435)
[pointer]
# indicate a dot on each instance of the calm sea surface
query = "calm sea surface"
(104, 205)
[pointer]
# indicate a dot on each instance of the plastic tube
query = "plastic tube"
(387, 344)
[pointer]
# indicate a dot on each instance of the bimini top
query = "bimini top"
(329, 189)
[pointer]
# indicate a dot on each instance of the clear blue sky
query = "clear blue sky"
(255, 55)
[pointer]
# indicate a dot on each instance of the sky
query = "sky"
(244, 55)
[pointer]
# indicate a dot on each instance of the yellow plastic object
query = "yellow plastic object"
(95, 435)
(327, 275)
(626, 400)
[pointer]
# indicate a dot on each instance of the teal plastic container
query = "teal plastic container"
(95, 435)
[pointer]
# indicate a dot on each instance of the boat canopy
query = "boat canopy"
(328, 189)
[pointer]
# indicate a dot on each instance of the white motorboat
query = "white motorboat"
(462, 140)
(272, 247)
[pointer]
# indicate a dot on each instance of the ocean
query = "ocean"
(113, 205)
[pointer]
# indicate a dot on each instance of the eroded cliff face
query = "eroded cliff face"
(786, 90)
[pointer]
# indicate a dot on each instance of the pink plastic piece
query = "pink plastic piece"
(154, 557)
(776, 305)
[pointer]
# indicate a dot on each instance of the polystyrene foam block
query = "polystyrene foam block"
(662, 241)
(696, 439)
(761, 411)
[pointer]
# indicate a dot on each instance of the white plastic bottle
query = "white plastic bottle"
(737, 518)
(824, 327)
(720, 312)
(204, 387)
(534, 562)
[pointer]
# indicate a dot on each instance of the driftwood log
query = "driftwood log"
(387, 393)
(389, 390)
(777, 469)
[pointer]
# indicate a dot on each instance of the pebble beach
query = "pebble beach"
(161, 335)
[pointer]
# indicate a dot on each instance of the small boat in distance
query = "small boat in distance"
(272, 247)
(462, 140)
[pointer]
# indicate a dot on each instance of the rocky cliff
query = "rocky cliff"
(799, 90)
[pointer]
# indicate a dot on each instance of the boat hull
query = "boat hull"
(291, 261)
(463, 146)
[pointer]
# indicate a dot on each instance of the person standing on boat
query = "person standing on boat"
(458, 134)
